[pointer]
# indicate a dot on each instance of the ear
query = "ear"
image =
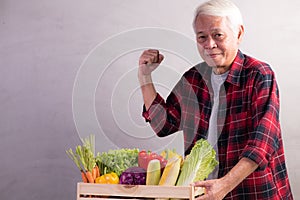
(240, 33)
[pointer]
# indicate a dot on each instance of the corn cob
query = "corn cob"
(153, 172)
(171, 171)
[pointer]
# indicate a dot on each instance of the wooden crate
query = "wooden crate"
(91, 191)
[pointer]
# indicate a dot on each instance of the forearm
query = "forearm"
(219, 188)
(148, 62)
(148, 90)
(238, 173)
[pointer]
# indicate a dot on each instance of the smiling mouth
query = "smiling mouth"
(213, 55)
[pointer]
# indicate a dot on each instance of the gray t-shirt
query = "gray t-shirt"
(216, 82)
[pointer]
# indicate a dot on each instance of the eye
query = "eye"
(201, 38)
(218, 36)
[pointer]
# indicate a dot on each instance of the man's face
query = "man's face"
(217, 43)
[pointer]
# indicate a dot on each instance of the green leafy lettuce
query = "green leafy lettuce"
(198, 164)
(117, 160)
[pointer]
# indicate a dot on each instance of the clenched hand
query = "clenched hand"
(149, 61)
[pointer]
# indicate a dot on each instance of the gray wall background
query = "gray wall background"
(44, 45)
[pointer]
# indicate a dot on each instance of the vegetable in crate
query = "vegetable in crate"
(145, 157)
(153, 172)
(117, 160)
(172, 169)
(198, 164)
(133, 176)
(84, 159)
(110, 178)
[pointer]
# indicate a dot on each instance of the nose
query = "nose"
(210, 43)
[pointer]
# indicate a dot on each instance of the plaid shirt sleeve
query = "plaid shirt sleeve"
(183, 109)
(164, 117)
(264, 139)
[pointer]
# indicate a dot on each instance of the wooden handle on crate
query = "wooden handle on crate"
(198, 191)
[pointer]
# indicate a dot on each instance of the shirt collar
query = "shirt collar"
(236, 69)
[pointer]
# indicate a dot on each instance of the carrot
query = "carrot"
(94, 173)
(83, 176)
(98, 171)
(84, 158)
(89, 177)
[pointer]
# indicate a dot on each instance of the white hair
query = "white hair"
(221, 8)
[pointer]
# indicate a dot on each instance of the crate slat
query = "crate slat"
(110, 191)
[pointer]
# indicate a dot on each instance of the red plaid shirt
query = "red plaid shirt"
(248, 121)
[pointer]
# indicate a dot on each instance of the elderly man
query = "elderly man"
(230, 99)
